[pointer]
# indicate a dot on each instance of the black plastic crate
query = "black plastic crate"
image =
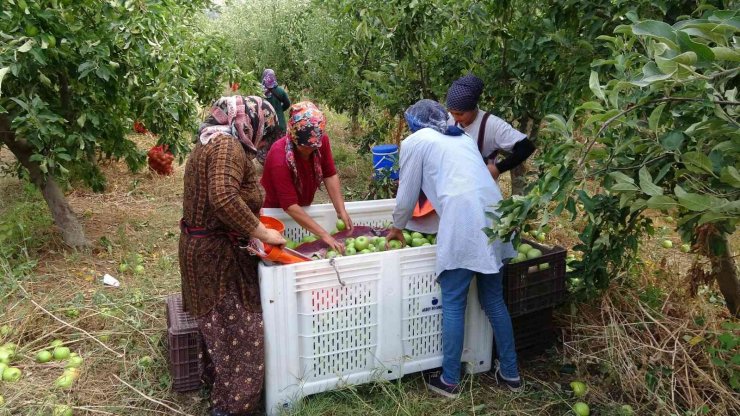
(528, 288)
(184, 347)
(533, 333)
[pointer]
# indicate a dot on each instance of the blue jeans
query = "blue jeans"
(455, 285)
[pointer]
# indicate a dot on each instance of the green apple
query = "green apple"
(310, 238)
(72, 313)
(62, 410)
(139, 269)
(416, 234)
(123, 267)
(9, 346)
(74, 362)
(544, 266)
(145, 361)
(5, 330)
(394, 244)
(64, 381)
(331, 254)
(290, 244)
(380, 243)
(72, 372)
(685, 248)
(426, 244)
(350, 251)
(43, 356)
(418, 242)
(341, 226)
(362, 243)
(432, 239)
(668, 219)
(667, 243)
(541, 236)
(407, 237)
(56, 343)
(524, 248)
(3, 366)
(581, 409)
(5, 355)
(61, 353)
(12, 374)
(349, 241)
(626, 410)
(519, 258)
(533, 253)
(579, 388)
(365, 251)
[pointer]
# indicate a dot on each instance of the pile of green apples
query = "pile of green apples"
(72, 362)
(527, 252)
(135, 264)
(7, 356)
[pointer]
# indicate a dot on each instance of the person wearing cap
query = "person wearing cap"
(445, 164)
(490, 133)
(297, 165)
(220, 287)
(278, 98)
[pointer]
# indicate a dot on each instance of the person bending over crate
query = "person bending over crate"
(295, 167)
(220, 287)
(444, 163)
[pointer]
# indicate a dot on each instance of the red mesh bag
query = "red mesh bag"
(160, 159)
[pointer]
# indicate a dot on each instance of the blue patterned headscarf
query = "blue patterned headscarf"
(464, 93)
(429, 114)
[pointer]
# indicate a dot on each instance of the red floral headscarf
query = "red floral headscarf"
(306, 127)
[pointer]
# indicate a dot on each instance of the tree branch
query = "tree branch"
(633, 107)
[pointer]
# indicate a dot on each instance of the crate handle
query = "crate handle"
(333, 264)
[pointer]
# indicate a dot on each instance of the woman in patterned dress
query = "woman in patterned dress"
(220, 287)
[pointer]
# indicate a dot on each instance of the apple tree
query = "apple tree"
(661, 133)
(74, 75)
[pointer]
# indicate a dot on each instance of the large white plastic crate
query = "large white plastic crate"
(383, 323)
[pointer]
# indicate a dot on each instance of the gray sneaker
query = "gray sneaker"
(514, 384)
(437, 385)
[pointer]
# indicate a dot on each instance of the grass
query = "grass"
(48, 292)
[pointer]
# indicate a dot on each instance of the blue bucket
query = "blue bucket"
(384, 158)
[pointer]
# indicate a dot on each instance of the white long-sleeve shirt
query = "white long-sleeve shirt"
(452, 174)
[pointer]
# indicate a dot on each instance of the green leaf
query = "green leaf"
(703, 53)
(647, 185)
(655, 117)
(624, 187)
(726, 54)
(622, 178)
(697, 162)
(661, 202)
(673, 140)
(81, 120)
(658, 30)
(730, 176)
(593, 83)
(692, 201)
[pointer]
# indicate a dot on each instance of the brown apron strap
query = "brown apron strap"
(482, 131)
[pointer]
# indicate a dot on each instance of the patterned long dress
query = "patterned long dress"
(220, 286)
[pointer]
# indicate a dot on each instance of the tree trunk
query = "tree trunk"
(725, 272)
(72, 231)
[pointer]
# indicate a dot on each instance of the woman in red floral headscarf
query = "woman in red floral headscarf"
(296, 166)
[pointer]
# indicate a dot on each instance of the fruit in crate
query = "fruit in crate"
(331, 254)
(350, 251)
(524, 248)
(394, 245)
(380, 243)
(419, 241)
(341, 226)
(416, 234)
(519, 258)
(362, 243)
(309, 239)
(407, 237)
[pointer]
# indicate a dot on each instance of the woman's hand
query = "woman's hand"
(332, 243)
(347, 220)
(396, 234)
(493, 169)
(273, 237)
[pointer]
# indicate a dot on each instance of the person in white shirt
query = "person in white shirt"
(490, 133)
(444, 163)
